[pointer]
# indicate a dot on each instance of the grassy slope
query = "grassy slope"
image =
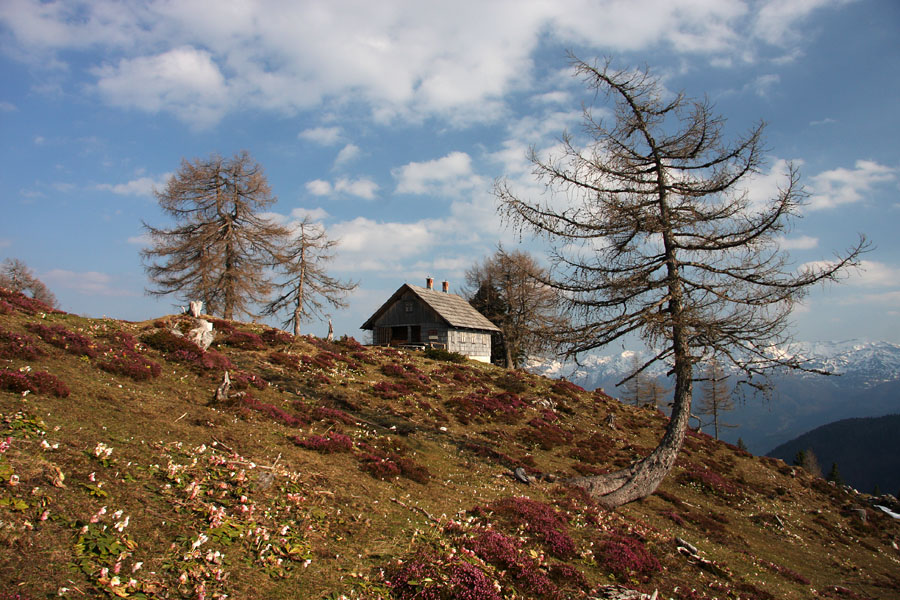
(221, 499)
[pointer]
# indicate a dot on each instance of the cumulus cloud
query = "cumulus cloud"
(363, 187)
(775, 21)
(411, 60)
(369, 245)
(847, 186)
(877, 274)
(442, 175)
(804, 242)
(142, 186)
(326, 136)
(184, 81)
(318, 187)
(347, 154)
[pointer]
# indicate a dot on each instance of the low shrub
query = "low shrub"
(129, 363)
(245, 341)
(627, 557)
(483, 406)
(512, 381)
(547, 435)
(168, 343)
(379, 467)
(330, 443)
(19, 301)
(445, 355)
(276, 337)
(709, 481)
(276, 413)
(594, 449)
(226, 327)
(59, 336)
(323, 360)
(334, 415)
(566, 388)
(540, 520)
(285, 360)
(389, 391)
(391, 465)
(440, 578)
(243, 380)
(14, 345)
(38, 382)
(505, 553)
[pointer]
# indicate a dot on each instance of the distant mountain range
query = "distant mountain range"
(867, 384)
(863, 449)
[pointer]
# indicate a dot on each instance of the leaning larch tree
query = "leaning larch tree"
(655, 235)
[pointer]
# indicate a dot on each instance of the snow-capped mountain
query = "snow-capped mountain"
(868, 386)
(866, 363)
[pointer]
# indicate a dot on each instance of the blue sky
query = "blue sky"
(388, 122)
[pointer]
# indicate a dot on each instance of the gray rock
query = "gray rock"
(202, 334)
(521, 476)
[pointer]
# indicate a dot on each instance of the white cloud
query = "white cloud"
(184, 81)
(318, 187)
(846, 186)
(877, 274)
(361, 188)
(776, 20)
(8, 107)
(347, 153)
(314, 214)
(91, 283)
(762, 188)
(804, 242)
(372, 245)
(442, 175)
(142, 186)
(399, 60)
(326, 136)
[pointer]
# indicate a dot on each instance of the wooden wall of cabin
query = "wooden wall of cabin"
(409, 320)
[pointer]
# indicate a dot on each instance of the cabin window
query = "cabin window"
(408, 306)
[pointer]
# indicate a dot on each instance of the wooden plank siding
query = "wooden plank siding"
(422, 316)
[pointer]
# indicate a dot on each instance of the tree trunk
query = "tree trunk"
(298, 309)
(642, 478)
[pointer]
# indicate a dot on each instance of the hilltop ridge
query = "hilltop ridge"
(335, 470)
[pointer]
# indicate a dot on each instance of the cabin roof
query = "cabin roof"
(451, 308)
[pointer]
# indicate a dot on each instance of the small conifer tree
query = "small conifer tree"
(834, 475)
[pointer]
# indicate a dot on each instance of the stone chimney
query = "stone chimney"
(429, 283)
(446, 286)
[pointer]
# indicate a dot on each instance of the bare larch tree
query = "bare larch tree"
(307, 290)
(508, 290)
(715, 397)
(16, 276)
(654, 237)
(220, 245)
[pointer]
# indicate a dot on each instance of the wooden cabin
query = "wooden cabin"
(424, 317)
